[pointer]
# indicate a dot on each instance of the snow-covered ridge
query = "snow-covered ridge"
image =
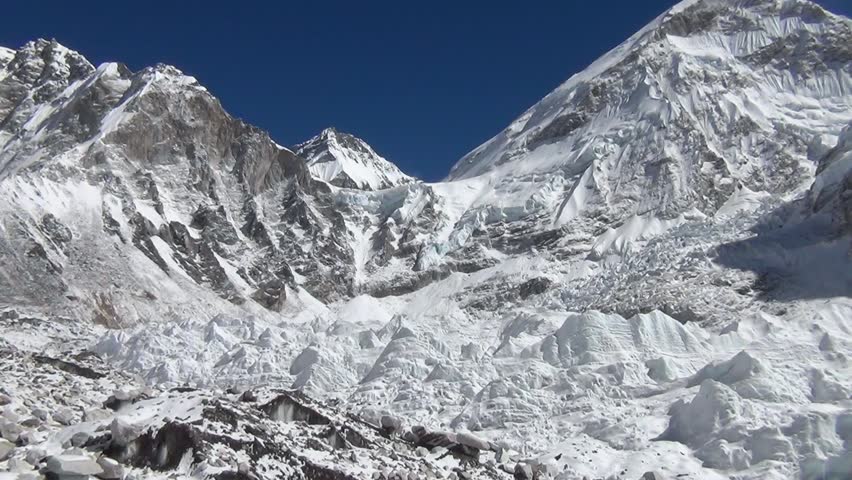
(347, 161)
(681, 113)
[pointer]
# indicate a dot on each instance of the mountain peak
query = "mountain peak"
(658, 123)
(345, 160)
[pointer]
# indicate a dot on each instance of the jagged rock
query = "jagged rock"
(79, 439)
(524, 471)
(124, 432)
(534, 286)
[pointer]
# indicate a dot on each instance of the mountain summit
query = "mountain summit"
(344, 160)
(710, 96)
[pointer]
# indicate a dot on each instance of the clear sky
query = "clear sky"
(423, 82)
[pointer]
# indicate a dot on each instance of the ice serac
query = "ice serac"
(346, 161)
(831, 192)
(712, 96)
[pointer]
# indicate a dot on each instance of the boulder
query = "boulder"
(6, 449)
(472, 441)
(31, 437)
(96, 414)
(112, 470)
(10, 430)
(64, 416)
(79, 439)
(40, 414)
(35, 455)
(124, 432)
(524, 471)
(76, 465)
(31, 422)
(391, 424)
(421, 452)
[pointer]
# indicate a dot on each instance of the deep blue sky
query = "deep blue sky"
(423, 82)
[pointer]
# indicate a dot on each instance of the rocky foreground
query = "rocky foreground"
(73, 417)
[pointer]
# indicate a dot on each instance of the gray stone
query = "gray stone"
(64, 416)
(40, 414)
(31, 437)
(472, 441)
(112, 470)
(6, 449)
(523, 471)
(35, 455)
(73, 465)
(31, 422)
(79, 439)
(503, 456)
(5, 399)
(124, 432)
(10, 430)
(95, 414)
(391, 424)
(10, 414)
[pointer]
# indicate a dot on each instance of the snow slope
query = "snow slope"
(344, 160)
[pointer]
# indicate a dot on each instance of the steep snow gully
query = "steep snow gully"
(645, 276)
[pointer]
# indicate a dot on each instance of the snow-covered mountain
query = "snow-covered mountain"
(648, 271)
(346, 161)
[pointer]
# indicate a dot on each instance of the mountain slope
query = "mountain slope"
(710, 96)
